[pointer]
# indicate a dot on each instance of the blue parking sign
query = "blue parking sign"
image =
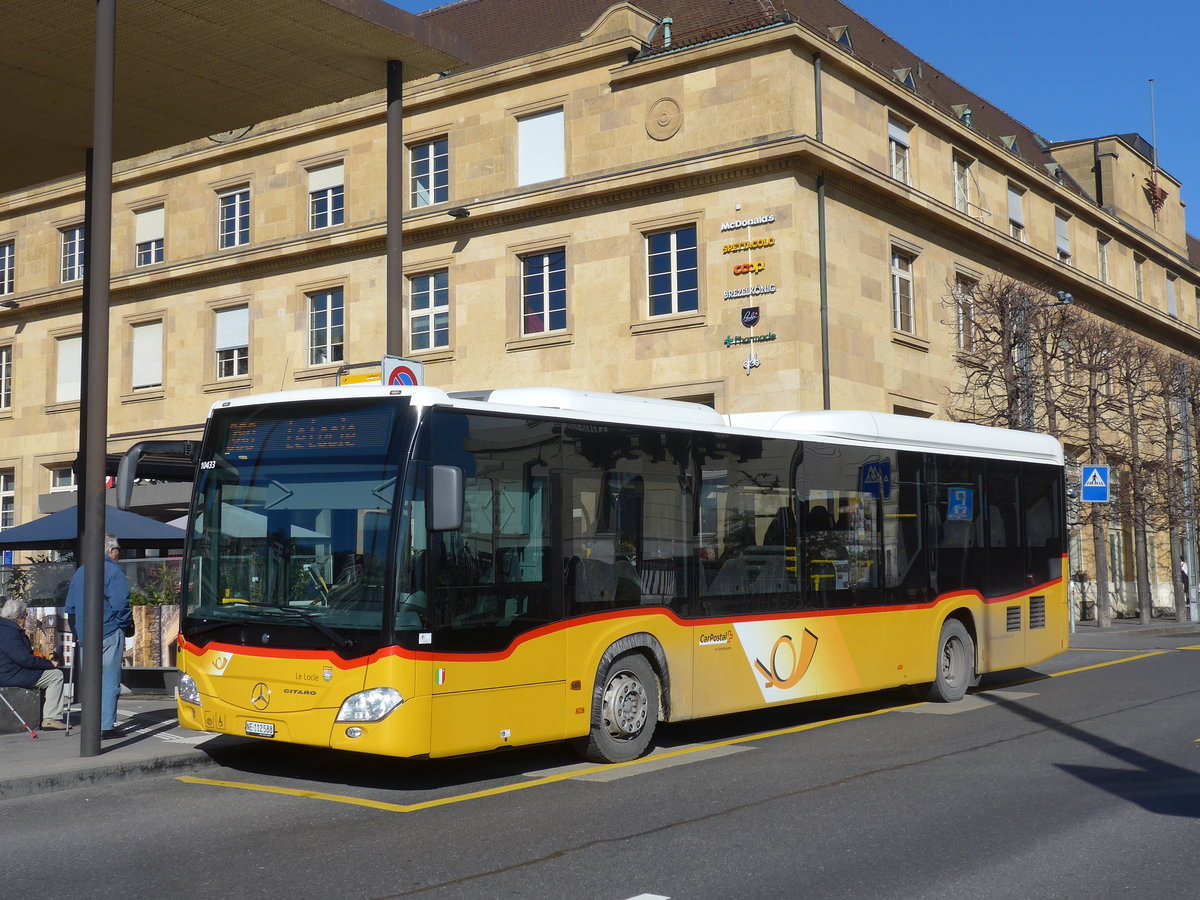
(960, 504)
(1093, 481)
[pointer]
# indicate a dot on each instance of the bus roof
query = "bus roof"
(904, 432)
(840, 426)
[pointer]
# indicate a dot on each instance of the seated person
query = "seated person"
(20, 668)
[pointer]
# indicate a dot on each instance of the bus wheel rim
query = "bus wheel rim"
(625, 706)
(953, 661)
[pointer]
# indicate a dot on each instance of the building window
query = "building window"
(326, 196)
(73, 245)
(69, 352)
(1062, 236)
(62, 478)
(326, 327)
(8, 499)
(430, 168)
(147, 369)
(150, 235)
(964, 306)
(898, 149)
(962, 183)
(541, 147)
(1102, 243)
(1016, 212)
(902, 291)
(1139, 277)
(544, 292)
(429, 312)
(672, 264)
(6, 377)
(233, 218)
(1172, 305)
(233, 341)
(8, 267)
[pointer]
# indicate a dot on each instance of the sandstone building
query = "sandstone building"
(593, 201)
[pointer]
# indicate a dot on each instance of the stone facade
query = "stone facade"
(776, 125)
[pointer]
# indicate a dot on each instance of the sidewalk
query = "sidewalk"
(1091, 634)
(154, 745)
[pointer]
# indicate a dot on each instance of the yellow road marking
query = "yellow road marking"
(1093, 650)
(575, 773)
(524, 785)
(1192, 647)
(1111, 662)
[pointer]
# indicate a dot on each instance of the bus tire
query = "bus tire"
(628, 712)
(955, 663)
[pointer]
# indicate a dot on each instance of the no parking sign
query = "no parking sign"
(396, 371)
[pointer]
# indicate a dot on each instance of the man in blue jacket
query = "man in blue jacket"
(117, 617)
(20, 668)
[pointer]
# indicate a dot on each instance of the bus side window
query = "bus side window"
(489, 577)
(959, 557)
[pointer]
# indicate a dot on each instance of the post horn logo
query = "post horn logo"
(795, 667)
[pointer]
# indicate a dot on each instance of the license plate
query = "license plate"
(260, 729)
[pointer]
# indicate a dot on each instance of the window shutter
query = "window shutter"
(233, 328)
(150, 224)
(70, 361)
(1016, 212)
(1061, 238)
(326, 177)
(898, 131)
(541, 147)
(147, 355)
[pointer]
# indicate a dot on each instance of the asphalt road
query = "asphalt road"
(1081, 785)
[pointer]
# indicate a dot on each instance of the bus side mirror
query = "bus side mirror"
(127, 470)
(444, 498)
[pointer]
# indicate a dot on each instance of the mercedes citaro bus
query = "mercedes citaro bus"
(410, 572)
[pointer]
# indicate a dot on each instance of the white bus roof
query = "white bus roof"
(837, 426)
(904, 432)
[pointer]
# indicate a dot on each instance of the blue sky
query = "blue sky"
(1068, 70)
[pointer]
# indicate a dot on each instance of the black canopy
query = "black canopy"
(58, 531)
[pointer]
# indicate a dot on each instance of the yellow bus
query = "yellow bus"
(408, 572)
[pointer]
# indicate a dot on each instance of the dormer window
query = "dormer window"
(841, 35)
(905, 77)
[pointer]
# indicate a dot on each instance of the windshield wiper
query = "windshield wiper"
(339, 640)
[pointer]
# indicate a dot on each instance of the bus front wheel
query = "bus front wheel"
(955, 663)
(628, 712)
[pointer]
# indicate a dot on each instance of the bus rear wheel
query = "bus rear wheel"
(628, 712)
(955, 663)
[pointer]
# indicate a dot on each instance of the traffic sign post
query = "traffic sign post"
(396, 371)
(1094, 482)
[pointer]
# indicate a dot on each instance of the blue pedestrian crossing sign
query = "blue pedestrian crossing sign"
(1093, 484)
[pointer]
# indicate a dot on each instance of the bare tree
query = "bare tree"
(1010, 336)
(1170, 377)
(1089, 364)
(1133, 364)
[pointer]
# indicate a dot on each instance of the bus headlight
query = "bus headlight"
(187, 690)
(370, 706)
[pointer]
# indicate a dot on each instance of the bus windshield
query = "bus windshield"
(292, 520)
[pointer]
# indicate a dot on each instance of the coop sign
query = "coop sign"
(749, 268)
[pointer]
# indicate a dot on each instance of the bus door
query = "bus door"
(498, 662)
